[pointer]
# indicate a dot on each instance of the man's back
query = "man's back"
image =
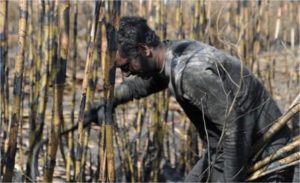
(225, 101)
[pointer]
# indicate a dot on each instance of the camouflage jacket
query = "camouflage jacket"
(229, 106)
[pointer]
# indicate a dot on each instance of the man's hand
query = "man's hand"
(96, 114)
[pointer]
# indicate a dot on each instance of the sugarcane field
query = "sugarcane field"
(149, 91)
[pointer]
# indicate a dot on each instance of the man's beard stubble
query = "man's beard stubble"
(148, 67)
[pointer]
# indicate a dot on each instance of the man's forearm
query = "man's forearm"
(123, 93)
(137, 88)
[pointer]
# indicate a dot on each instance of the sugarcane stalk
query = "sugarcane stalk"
(102, 169)
(35, 57)
(21, 153)
(278, 24)
(278, 124)
(120, 152)
(274, 156)
(60, 75)
(17, 93)
(139, 125)
(126, 159)
(90, 98)
(36, 134)
(31, 59)
(179, 20)
(3, 79)
(195, 32)
(174, 158)
(256, 42)
(282, 163)
(54, 40)
(109, 49)
(37, 64)
(70, 158)
(85, 97)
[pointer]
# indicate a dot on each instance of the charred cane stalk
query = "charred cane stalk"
(275, 128)
(84, 100)
(3, 79)
(109, 48)
(43, 93)
(278, 153)
(60, 75)
(74, 61)
(17, 93)
(278, 165)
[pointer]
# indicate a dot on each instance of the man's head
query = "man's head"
(136, 45)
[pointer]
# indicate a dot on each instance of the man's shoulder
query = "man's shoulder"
(187, 53)
(183, 47)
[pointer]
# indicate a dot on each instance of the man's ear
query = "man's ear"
(145, 50)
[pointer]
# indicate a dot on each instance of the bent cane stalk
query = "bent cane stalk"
(16, 119)
(84, 99)
(60, 75)
(278, 124)
(278, 165)
(278, 153)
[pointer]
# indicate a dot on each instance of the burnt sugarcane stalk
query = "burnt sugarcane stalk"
(74, 61)
(30, 59)
(256, 46)
(158, 130)
(60, 75)
(35, 57)
(16, 119)
(3, 79)
(84, 98)
(278, 153)
(275, 128)
(109, 48)
(196, 20)
(139, 121)
(179, 20)
(278, 165)
(37, 63)
(36, 135)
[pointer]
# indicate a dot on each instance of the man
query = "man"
(228, 105)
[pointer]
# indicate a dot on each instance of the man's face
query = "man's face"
(139, 65)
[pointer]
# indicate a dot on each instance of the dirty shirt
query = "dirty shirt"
(228, 105)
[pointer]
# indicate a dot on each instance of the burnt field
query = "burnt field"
(55, 60)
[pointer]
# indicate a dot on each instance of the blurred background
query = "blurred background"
(153, 140)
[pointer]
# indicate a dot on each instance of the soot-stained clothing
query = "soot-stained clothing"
(229, 107)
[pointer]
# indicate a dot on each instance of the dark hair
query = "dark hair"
(134, 30)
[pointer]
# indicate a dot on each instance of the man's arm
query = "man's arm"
(130, 89)
(203, 87)
(137, 88)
